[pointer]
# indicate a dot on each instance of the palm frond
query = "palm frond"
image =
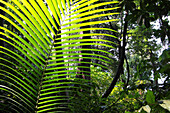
(38, 66)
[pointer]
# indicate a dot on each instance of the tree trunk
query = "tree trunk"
(84, 75)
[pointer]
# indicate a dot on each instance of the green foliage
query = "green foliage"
(85, 102)
(158, 109)
(150, 98)
(101, 79)
(164, 59)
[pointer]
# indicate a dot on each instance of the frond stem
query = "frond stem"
(51, 48)
(48, 57)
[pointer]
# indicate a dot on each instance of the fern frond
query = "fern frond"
(39, 63)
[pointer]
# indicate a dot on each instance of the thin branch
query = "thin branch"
(120, 67)
(109, 107)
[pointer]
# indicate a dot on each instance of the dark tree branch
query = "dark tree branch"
(109, 107)
(120, 67)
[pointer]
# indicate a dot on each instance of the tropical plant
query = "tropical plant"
(39, 65)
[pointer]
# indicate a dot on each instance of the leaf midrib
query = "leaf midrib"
(46, 64)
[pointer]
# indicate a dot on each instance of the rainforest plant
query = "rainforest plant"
(40, 58)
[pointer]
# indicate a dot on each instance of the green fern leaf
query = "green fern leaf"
(38, 68)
